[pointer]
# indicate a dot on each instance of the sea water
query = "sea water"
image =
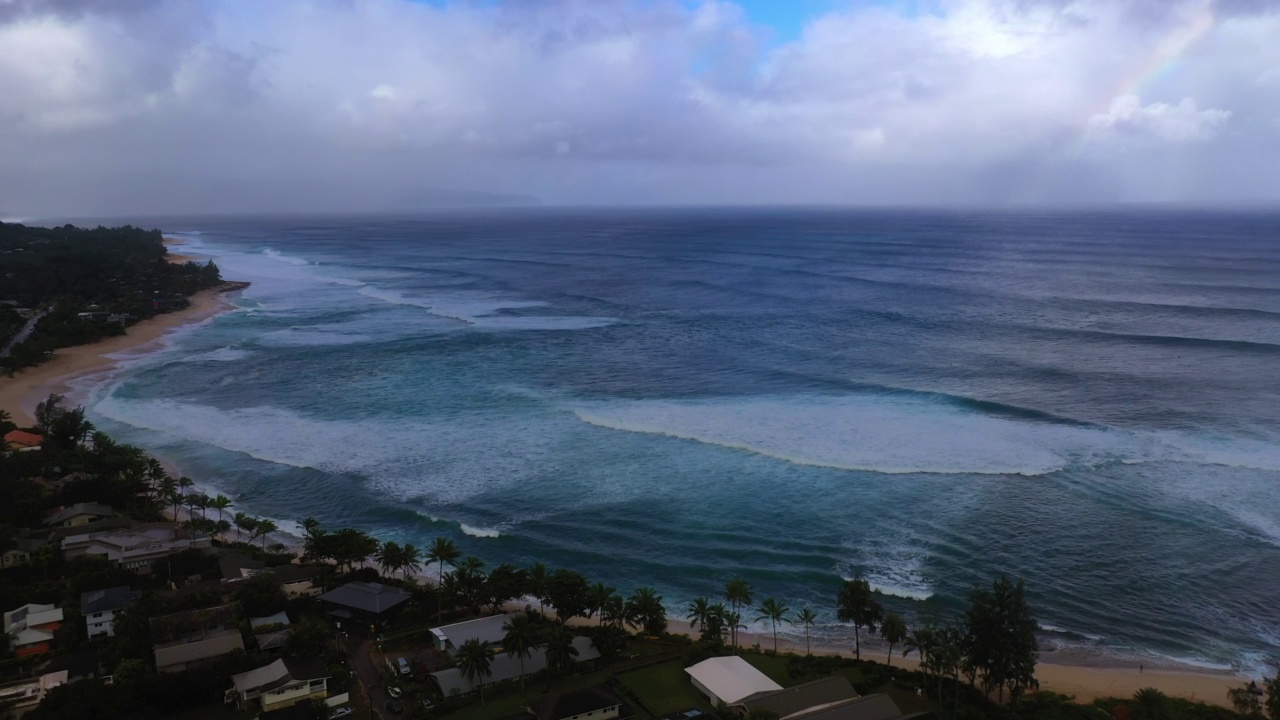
(1086, 400)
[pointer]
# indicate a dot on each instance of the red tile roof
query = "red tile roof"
(23, 438)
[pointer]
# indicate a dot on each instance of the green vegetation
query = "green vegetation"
(86, 284)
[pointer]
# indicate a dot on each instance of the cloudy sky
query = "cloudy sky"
(151, 106)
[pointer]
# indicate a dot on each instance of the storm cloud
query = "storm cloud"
(143, 106)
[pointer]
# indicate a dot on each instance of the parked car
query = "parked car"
(395, 706)
(340, 713)
(395, 692)
(403, 665)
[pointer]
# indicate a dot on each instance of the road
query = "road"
(22, 334)
(359, 655)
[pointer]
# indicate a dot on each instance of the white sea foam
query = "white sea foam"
(276, 255)
(223, 354)
(892, 566)
(898, 435)
(306, 337)
(464, 456)
(480, 310)
(480, 532)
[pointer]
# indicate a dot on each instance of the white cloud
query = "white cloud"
(1128, 118)
(628, 101)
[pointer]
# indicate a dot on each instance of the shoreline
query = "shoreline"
(20, 394)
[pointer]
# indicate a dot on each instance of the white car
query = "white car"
(403, 665)
(395, 692)
(340, 713)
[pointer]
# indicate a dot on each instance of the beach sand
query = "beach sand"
(21, 393)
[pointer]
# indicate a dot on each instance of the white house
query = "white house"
(281, 684)
(99, 608)
(729, 680)
(487, 630)
(134, 549)
(31, 628)
(19, 698)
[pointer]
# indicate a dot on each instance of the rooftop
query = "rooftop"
(110, 599)
(278, 674)
(574, 702)
(84, 508)
(789, 701)
(374, 598)
(487, 630)
(732, 679)
(23, 438)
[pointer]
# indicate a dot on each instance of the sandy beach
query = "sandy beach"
(21, 393)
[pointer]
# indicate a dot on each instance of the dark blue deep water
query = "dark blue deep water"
(1090, 401)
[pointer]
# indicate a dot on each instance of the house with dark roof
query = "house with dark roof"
(868, 707)
(79, 514)
(281, 684)
(590, 703)
(373, 603)
(99, 608)
(297, 580)
(193, 638)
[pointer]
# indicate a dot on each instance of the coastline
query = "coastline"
(20, 394)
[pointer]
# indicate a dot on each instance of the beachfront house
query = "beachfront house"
(22, 440)
(372, 603)
(193, 638)
(506, 667)
(281, 684)
(295, 580)
(797, 700)
(271, 631)
(79, 514)
(589, 703)
(488, 630)
(31, 628)
(729, 680)
(135, 548)
(99, 608)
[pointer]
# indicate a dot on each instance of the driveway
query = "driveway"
(360, 656)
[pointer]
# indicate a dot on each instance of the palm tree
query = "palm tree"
(775, 612)
(220, 503)
(264, 527)
(856, 604)
(410, 560)
(388, 557)
(474, 661)
(538, 583)
(808, 620)
(614, 611)
(924, 640)
(519, 640)
(738, 593)
(894, 630)
(597, 596)
(167, 490)
(1149, 704)
(644, 609)
(442, 551)
(561, 652)
(698, 610)
(714, 624)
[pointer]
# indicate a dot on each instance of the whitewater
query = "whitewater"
(676, 398)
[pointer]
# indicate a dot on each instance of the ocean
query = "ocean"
(1085, 400)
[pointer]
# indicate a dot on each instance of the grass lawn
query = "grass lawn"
(664, 688)
(505, 706)
(775, 666)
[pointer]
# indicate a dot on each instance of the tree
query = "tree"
(442, 551)
(264, 528)
(561, 654)
(506, 582)
(519, 640)
(569, 593)
(775, 612)
(1273, 697)
(538, 584)
(1149, 704)
(597, 596)
(894, 630)
(698, 610)
(410, 560)
(738, 594)
(857, 604)
(614, 611)
(262, 595)
(220, 503)
(47, 411)
(644, 609)
(474, 662)
(6, 422)
(808, 620)
(1000, 637)
(69, 429)
(389, 557)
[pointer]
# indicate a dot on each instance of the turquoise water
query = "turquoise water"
(1087, 401)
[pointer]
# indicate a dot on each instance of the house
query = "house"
(590, 703)
(22, 440)
(867, 707)
(99, 608)
(373, 603)
(488, 630)
(798, 700)
(271, 632)
(78, 665)
(189, 639)
(79, 514)
(135, 548)
(507, 667)
(238, 566)
(281, 684)
(31, 628)
(20, 553)
(297, 580)
(19, 698)
(729, 680)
